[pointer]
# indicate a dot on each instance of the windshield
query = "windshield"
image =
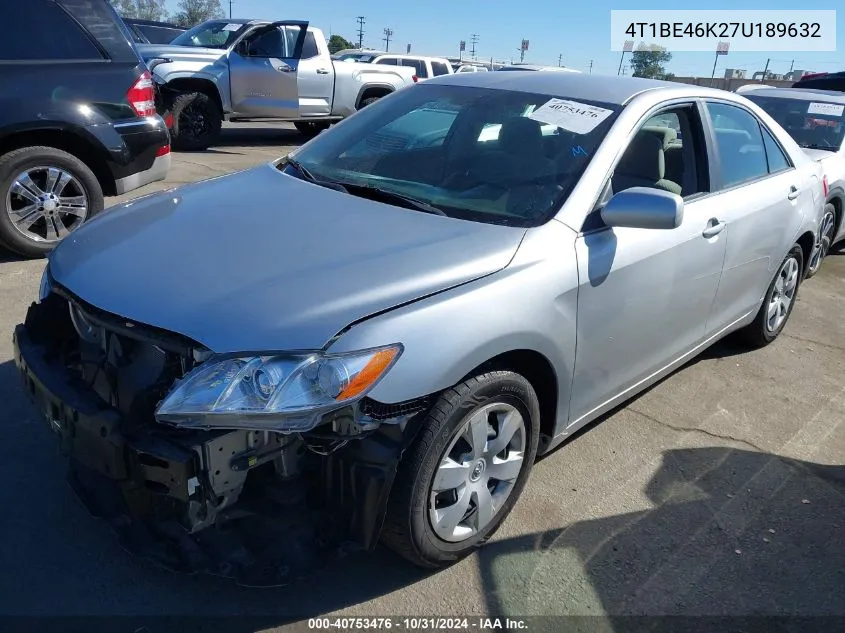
(481, 154)
(813, 124)
(214, 34)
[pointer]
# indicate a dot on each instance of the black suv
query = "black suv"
(77, 119)
(822, 81)
(150, 32)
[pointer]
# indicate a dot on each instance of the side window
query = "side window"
(56, 36)
(774, 154)
(439, 68)
(390, 61)
(665, 153)
(309, 48)
(739, 144)
(418, 65)
(267, 44)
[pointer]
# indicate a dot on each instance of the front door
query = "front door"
(263, 70)
(644, 294)
(316, 80)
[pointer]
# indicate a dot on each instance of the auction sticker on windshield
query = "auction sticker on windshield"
(570, 115)
(232, 27)
(831, 109)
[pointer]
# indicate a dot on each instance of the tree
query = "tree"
(338, 43)
(651, 62)
(191, 12)
(141, 9)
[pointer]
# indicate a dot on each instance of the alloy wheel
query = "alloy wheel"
(782, 294)
(477, 472)
(46, 203)
(826, 229)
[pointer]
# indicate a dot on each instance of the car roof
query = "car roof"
(412, 56)
(607, 89)
(804, 94)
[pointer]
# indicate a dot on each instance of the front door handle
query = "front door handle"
(322, 71)
(714, 227)
(284, 69)
(793, 193)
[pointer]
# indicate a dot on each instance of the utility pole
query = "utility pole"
(560, 60)
(361, 19)
(591, 66)
(765, 71)
(792, 66)
(230, 8)
(388, 33)
(474, 40)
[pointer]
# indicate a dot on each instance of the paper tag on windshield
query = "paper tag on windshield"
(570, 115)
(232, 27)
(831, 109)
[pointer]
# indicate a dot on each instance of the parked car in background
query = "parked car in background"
(333, 330)
(815, 119)
(424, 67)
(357, 55)
(77, 120)
(251, 69)
(151, 32)
(470, 68)
(822, 81)
(750, 87)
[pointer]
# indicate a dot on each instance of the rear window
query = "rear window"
(439, 68)
(418, 65)
(57, 35)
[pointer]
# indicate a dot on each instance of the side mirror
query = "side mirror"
(644, 208)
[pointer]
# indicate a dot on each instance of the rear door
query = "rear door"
(759, 193)
(315, 78)
(263, 69)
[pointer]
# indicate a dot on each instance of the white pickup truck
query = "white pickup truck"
(250, 69)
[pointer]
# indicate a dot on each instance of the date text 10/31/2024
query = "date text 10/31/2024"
(418, 623)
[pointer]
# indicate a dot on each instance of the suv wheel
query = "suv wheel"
(46, 194)
(463, 474)
(196, 122)
(310, 129)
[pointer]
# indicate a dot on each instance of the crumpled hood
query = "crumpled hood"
(260, 260)
(179, 53)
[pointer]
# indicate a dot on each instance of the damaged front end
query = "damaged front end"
(261, 504)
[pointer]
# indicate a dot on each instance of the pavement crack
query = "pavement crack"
(687, 429)
(813, 342)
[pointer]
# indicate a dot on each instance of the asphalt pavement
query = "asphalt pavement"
(717, 492)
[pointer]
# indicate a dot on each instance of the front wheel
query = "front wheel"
(197, 121)
(310, 129)
(464, 473)
(827, 229)
(778, 303)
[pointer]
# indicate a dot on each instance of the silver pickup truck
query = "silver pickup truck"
(250, 69)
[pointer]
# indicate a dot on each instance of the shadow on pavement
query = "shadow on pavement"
(722, 532)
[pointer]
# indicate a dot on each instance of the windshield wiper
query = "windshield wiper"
(391, 197)
(307, 175)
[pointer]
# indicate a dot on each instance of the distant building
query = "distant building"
(734, 73)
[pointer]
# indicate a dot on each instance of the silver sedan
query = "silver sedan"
(423, 298)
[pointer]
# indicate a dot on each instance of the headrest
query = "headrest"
(643, 158)
(665, 135)
(521, 135)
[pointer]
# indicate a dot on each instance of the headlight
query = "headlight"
(46, 284)
(285, 393)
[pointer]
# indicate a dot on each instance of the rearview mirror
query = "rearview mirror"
(644, 208)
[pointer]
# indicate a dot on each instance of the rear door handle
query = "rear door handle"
(714, 227)
(322, 71)
(284, 69)
(793, 193)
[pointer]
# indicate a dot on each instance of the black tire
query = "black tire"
(758, 333)
(310, 129)
(368, 101)
(407, 529)
(18, 161)
(197, 121)
(828, 231)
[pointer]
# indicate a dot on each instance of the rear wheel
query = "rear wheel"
(464, 473)
(827, 229)
(310, 129)
(368, 101)
(778, 303)
(46, 194)
(197, 121)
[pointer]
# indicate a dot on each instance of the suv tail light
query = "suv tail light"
(141, 95)
(164, 150)
(415, 78)
(812, 75)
